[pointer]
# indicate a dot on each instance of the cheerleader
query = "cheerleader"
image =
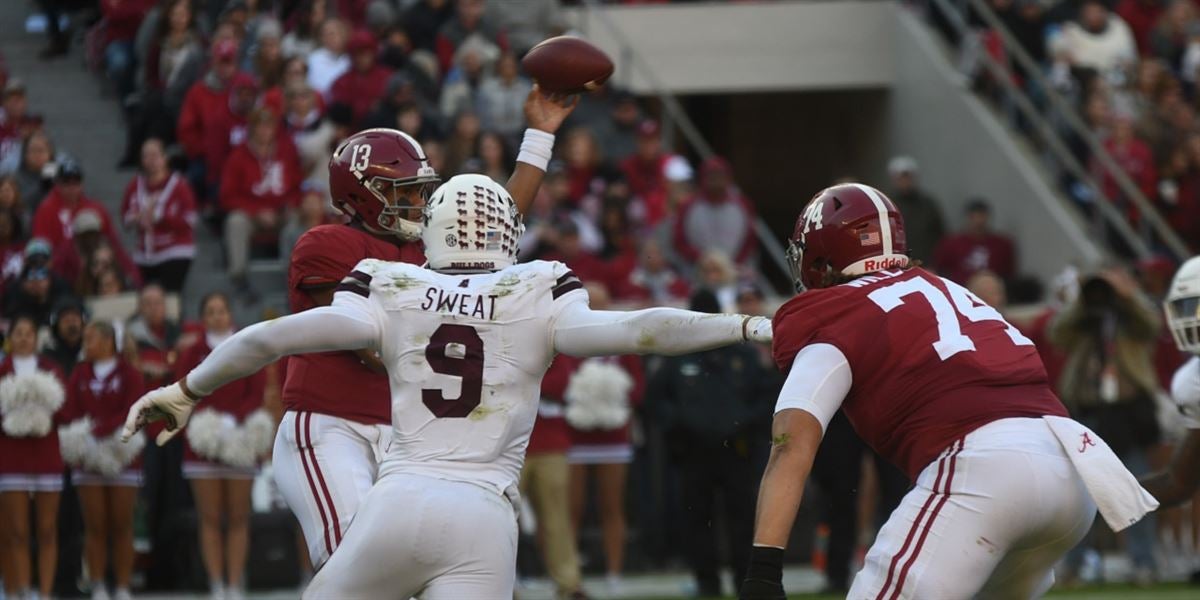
(31, 395)
(226, 438)
(105, 471)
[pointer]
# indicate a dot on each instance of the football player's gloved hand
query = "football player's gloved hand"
(757, 329)
(764, 576)
(173, 404)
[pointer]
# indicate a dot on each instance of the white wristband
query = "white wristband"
(536, 148)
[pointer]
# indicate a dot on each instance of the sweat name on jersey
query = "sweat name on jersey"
(460, 303)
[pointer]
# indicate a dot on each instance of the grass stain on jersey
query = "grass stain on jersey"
(403, 282)
(482, 412)
(646, 341)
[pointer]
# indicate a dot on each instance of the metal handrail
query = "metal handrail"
(1079, 128)
(678, 116)
(1053, 140)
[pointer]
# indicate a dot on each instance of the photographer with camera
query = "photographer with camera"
(1107, 336)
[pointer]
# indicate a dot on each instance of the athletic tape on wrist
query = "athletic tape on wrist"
(536, 148)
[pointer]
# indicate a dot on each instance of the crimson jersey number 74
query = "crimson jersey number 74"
(946, 310)
(455, 350)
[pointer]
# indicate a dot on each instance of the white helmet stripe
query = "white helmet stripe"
(885, 226)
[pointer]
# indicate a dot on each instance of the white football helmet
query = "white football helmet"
(471, 224)
(1183, 306)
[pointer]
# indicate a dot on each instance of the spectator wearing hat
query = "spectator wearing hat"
(501, 98)
(470, 21)
(976, 248)
(923, 224)
(65, 344)
(160, 208)
(91, 258)
(56, 218)
(260, 187)
(646, 171)
(717, 218)
(15, 123)
(569, 249)
(15, 257)
(35, 173)
(329, 61)
(365, 83)
(34, 294)
(205, 101)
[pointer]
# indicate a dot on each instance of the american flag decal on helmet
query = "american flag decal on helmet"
(869, 239)
(356, 282)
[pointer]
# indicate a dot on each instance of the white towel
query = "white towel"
(1118, 496)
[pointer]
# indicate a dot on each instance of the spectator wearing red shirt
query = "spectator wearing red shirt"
(1141, 16)
(1134, 156)
(363, 86)
(227, 128)
(121, 21)
(976, 248)
(545, 479)
(718, 218)
(102, 388)
(568, 250)
(646, 171)
(652, 282)
(260, 185)
(55, 219)
(90, 253)
(584, 164)
(469, 20)
(205, 101)
(159, 206)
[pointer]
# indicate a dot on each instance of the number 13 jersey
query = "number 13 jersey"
(930, 361)
(465, 356)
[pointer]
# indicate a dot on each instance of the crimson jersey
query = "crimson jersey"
(930, 362)
(320, 382)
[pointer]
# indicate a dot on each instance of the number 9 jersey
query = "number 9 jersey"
(465, 355)
(931, 362)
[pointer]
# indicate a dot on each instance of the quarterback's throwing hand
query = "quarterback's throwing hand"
(171, 403)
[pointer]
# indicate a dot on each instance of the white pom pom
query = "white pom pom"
(75, 441)
(206, 432)
(28, 403)
(259, 430)
(598, 396)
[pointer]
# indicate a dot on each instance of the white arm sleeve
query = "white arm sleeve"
(349, 324)
(581, 331)
(818, 382)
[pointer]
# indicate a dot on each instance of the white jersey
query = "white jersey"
(1185, 390)
(465, 355)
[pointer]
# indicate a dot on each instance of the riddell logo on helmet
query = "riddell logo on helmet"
(889, 262)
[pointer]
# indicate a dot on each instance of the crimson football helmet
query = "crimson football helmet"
(848, 229)
(381, 178)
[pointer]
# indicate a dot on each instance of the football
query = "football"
(567, 65)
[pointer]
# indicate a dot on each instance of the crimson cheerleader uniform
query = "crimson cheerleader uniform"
(237, 398)
(608, 446)
(104, 390)
(31, 464)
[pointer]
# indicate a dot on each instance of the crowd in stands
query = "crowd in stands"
(1129, 67)
(232, 109)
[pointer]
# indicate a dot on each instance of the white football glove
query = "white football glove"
(171, 403)
(757, 329)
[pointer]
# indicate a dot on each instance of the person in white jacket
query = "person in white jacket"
(1098, 39)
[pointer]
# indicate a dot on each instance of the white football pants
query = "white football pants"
(420, 536)
(324, 467)
(988, 519)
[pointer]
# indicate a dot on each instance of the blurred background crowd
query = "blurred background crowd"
(231, 109)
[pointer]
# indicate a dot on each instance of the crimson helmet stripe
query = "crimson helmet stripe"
(885, 226)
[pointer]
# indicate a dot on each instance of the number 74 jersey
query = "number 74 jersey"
(465, 356)
(930, 361)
